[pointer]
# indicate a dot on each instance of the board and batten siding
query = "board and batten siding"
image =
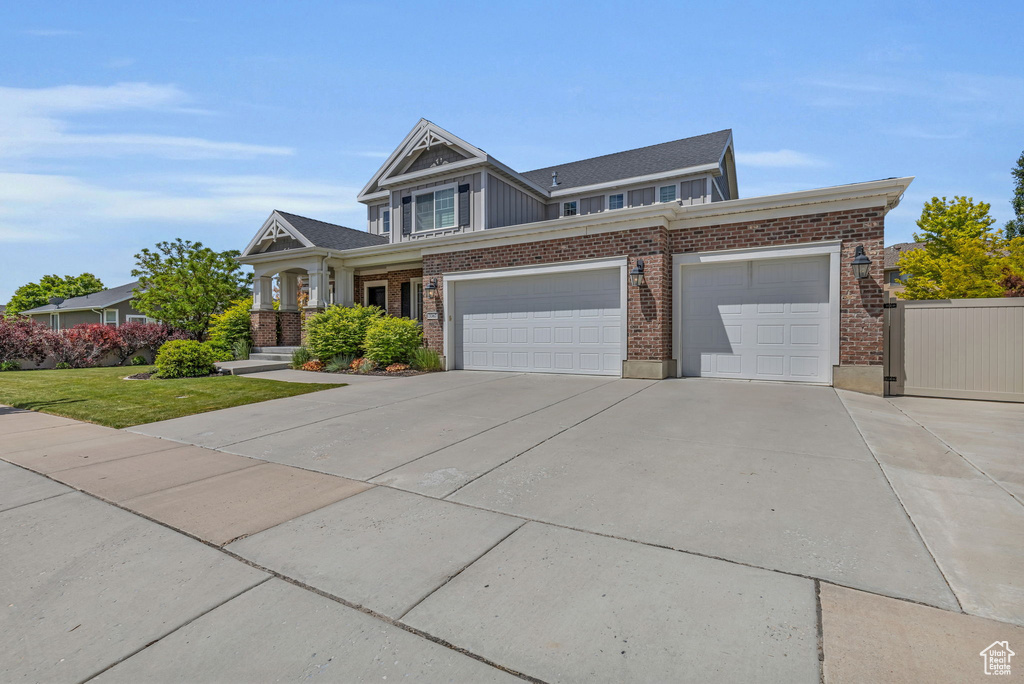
(510, 206)
(956, 348)
(375, 218)
(475, 208)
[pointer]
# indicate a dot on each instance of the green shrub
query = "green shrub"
(425, 359)
(63, 365)
(339, 363)
(220, 352)
(138, 360)
(10, 366)
(392, 340)
(340, 330)
(242, 348)
(365, 366)
(232, 325)
(300, 357)
(184, 359)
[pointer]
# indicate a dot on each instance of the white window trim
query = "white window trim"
(608, 200)
(451, 281)
(561, 207)
(833, 248)
(659, 188)
(383, 230)
(436, 189)
(55, 320)
(375, 283)
(117, 317)
(414, 301)
(134, 318)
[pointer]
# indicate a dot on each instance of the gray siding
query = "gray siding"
(69, 319)
(475, 208)
(641, 197)
(375, 219)
(591, 205)
(428, 159)
(550, 211)
(509, 206)
(722, 185)
(693, 191)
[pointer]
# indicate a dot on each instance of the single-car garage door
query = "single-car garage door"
(765, 319)
(550, 323)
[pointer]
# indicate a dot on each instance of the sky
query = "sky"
(125, 124)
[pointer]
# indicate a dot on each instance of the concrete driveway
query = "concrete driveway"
(477, 526)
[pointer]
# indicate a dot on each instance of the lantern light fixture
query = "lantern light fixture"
(431, 288)
(636, 276)
(861, 264)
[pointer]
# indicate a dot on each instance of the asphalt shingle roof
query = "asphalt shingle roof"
(96, 300)
(331, 236)
(893, 252)
(678, 154)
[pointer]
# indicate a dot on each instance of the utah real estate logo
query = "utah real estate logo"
(997, 658)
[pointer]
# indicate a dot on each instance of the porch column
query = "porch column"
(262, 317)
(344, 286)
(288, 311)
(317, 288)
(262, 292)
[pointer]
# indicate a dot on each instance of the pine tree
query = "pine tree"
(1015, 226)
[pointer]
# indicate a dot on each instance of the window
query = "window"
(55, 321)
(616, 201)
(667, 193)
(435, 210)
(386, 221)
(135, 318)
(416, 299)
(570, 208)
(110, 317)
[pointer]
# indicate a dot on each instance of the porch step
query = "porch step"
(251, 366)
(275, 350)
(267, 356)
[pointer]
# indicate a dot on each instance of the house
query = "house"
(645, 263)
(112, 307)
(893, 277)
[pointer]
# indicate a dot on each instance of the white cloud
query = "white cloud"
(33, 123)
(782, 159)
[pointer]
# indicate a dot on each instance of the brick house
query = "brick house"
(644, 263)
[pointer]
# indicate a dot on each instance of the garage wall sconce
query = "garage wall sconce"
(636, 276)
(861, 264)
(431, 288)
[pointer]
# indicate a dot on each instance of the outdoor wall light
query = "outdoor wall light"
(431, 288)
(861, 264)
(636, 276)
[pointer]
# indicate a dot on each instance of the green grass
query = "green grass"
(101, 395)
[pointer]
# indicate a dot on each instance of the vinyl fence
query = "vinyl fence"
(956, 348)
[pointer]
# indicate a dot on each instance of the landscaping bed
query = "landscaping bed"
(104, 396)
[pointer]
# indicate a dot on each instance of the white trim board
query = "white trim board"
(375, 283)
(832, 248)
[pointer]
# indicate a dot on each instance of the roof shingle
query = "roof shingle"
(330, 235)
(96, 300)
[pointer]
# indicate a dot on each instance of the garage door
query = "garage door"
(763, 319)
(557, 323)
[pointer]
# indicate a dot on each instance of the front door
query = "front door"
(377, 296)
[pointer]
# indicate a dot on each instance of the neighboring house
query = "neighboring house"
(893, 277)
(536, 271)
(112, 307)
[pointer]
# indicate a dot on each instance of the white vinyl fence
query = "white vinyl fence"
(956, 348)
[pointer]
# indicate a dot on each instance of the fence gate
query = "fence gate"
(955, 348)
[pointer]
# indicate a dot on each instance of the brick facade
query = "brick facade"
(394, 280)
(264, 328)
(291, 328)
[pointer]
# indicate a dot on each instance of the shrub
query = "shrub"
(364, 365)
(392, 340)
(314, 365)
(425, 359)
(138, 360)
(220, 353)
(136, 336)
(184, 359)
(232, 326)
(9, 366)
(84, 345)
(23, 338)
(340, 330)
(241, 349)
(63, 365)
(339, 363)
(300, 357)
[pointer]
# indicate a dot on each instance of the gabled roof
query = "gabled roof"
(894, 252)
(96, 300)
(699, 150)
(330, 235)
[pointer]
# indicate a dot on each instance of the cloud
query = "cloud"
(781, 159)
(34, 123)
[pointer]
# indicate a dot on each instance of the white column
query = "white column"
(317, 289)
(262, 292)
(344, 286)
(289, 292)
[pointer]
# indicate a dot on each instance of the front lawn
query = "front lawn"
(100, 395)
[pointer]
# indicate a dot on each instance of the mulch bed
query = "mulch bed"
(397, 374)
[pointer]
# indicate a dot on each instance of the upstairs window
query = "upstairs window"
(385, 221)
(667, 193)
(435, 210)
(616, 201)
(570, 208)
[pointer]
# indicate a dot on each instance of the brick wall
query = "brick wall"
(394, 280)
(264, 328)
(291, 328)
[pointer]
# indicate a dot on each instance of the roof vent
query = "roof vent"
(554, 179)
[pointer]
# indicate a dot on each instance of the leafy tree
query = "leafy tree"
(31, 295)
(1015, 226)
(183, 284)
(962, 257)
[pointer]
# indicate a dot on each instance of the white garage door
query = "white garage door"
(557, 323)
(764, 319)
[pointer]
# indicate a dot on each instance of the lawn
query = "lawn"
(101, 395)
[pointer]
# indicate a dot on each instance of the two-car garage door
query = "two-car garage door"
(763, 319)
(570, 322)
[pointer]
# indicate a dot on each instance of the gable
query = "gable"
(431, 157)
(275, 235)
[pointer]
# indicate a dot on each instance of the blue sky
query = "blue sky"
(125, 124)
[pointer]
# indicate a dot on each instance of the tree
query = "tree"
(183, 284)
(31, 295)
(1015, 226)
(962, 257)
